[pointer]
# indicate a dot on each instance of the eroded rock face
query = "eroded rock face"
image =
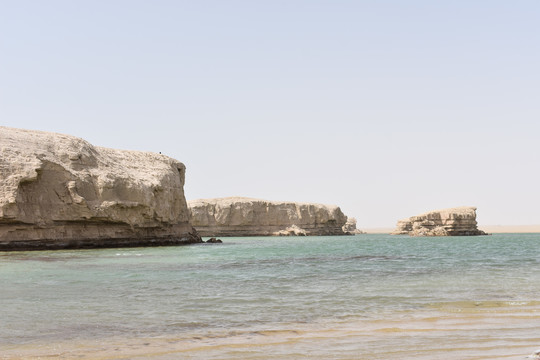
(459, 221)
(59, 191)
(238, 216)
(350, 227)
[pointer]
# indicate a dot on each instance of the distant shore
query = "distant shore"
(491, 229)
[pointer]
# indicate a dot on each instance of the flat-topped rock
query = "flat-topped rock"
(59, 191)
(238, 216)
(459, 221)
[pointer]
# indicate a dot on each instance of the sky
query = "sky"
(384, 108)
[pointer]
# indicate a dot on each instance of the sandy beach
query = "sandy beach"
(455, 331)
(500, 229)
(491, 229)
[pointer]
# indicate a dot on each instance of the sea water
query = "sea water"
(336, 297)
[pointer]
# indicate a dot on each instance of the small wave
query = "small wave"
(488, 305)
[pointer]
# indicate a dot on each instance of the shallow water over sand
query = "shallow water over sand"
(357, 297)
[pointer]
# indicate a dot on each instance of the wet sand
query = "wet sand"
(450, 331)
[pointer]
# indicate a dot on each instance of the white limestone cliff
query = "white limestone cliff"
(60, 191)
(459, 221)
(350, 227)
(237, 216)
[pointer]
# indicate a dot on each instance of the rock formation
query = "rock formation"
(236, 216)
(459, 221)
(350, 227)
(59, 191)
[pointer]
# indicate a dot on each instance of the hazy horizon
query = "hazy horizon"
(386, 109)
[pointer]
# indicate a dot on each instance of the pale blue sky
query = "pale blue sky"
(385, 108)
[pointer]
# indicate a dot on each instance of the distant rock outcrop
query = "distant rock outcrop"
(59, 191)
(459, 221)
(237, 216)
(350, 227)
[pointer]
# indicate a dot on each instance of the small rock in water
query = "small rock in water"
(214, 241)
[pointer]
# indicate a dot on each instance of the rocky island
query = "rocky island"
(459, 221)
(238, 216)
(59, 191)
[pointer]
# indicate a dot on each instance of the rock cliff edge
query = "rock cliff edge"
(459, 221)
(237, 216)
(59, 191)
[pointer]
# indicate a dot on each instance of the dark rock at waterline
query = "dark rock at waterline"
(214, 241)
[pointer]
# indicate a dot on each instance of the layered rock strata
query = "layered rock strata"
(350, 227)
(236, 216)
(459, 221)
(59, 191)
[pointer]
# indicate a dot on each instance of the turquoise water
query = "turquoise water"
(252, 285)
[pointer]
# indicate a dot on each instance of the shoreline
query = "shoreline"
(490, 229)
(389, 336)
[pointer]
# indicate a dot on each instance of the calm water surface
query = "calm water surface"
(354, 297)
